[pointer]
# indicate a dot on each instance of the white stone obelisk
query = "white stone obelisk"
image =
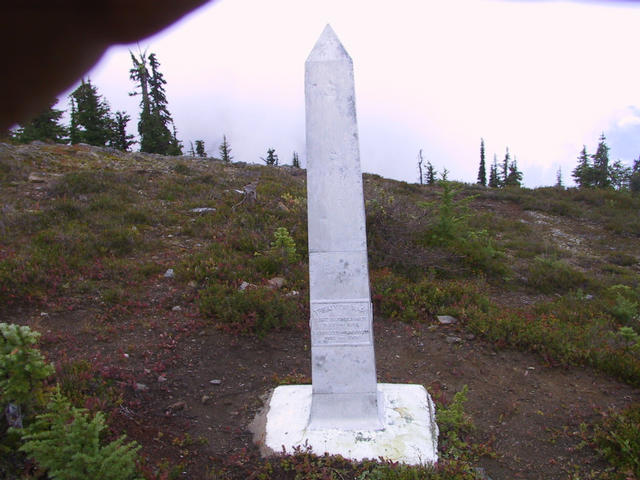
(344, 411)
(343, 363)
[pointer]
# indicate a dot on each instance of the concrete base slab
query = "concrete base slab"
(410, 433)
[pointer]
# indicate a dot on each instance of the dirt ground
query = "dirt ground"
(181, 376)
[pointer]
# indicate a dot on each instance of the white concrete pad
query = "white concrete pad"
(410, 433)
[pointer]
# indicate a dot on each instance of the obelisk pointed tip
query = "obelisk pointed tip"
(328, 48)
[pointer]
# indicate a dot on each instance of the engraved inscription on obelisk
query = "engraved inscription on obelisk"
(345, 392)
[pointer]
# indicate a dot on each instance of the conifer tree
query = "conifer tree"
(494, 181)
(514, 177)
(200, 151)
(43, 127)
(620, 175)
(583, 173)
(505, 168)
(430, 174)
(295, 162)
(121, 140)
(272, 158)
(225, 150)
(601, 164)
(91, 120)
(155, 119)
(482, 170)
(634, 180)
(559, 183)
(74, 131)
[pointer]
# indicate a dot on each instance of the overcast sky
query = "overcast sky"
(542, 78)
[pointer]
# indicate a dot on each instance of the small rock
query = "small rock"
(276, 282)
(169, 273)
(215, 382)
(452, 340)
(205, 399)
(292, 293)
(588, 296)
(470, 336)
(203, 210)
(177, 308)
(176, 407)
(447, 319)
(44, 314)
(193, 284)
(244, 285)
(162, 378)
(37, 178)
(481, 473)
(141, 387)
(283, 207)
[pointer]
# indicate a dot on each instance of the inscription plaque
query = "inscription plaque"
(341, 323)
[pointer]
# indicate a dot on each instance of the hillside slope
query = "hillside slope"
(165, 297)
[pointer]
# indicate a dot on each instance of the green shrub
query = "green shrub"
(548, 275)
(618, 439)
(283, 245)
(254, 310)
(453, 423)
(22, 367)
(66, 442)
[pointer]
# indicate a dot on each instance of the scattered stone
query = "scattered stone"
(215, 382)
(193, 284)
(44, 314)
(588, 296)
(283, 207)
(141, 387)
(292, 293)
(470, 336)
(202, 210)
(177, 308)
(452, 340)
(205, 399)
(176, 407)
(169, 273)
(35, 177)
(244, 285)
(276, 282)
(481, 474)
(447, 319)
(162, 378)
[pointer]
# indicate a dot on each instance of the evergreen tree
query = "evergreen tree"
(43, 127)
(175, 145)
(155, 119)
(601, 164)
(494, 181)
(430, 175)
(121, 140)
(225, 150)
(272, 158)
(74, 131)
(91, 120)
(559, 183)
(634, 180)
(482, 170)
(295, 161)
(583, 174)
(514, 177)
(504, 174)
(200, 152)
(620, 175)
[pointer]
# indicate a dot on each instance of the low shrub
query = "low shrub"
(618, 440)
(548, 275)
(67, 443)
(254, 310)
(22, 366)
